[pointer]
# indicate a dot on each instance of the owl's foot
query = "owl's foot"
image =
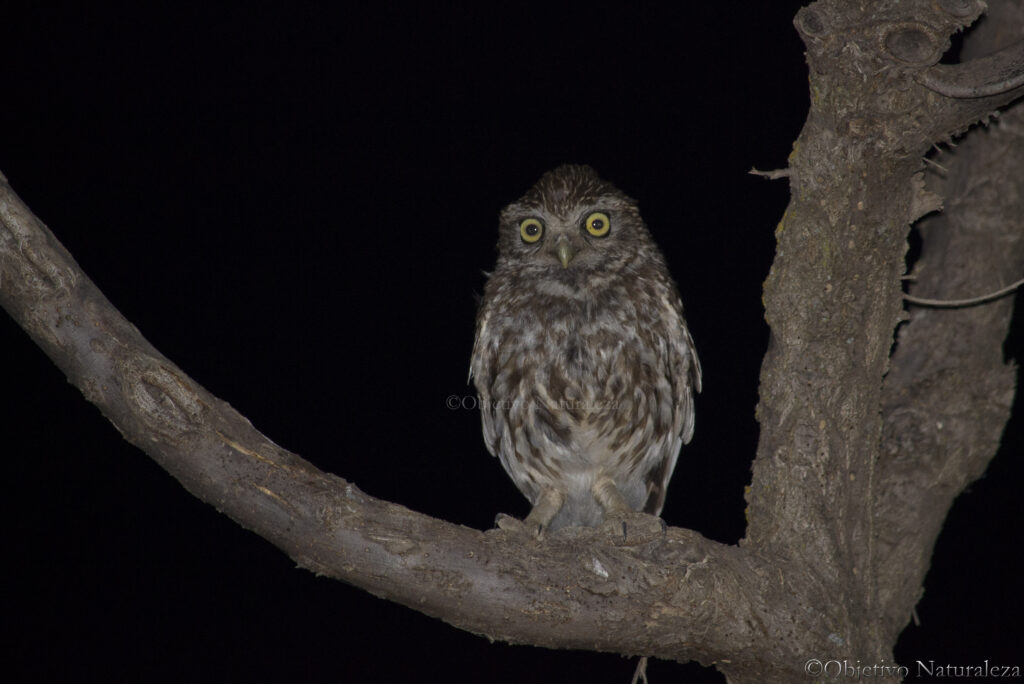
(621, 521)
(633, 528)
(523, 528)
(548, 504)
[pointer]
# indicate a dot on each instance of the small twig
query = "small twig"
(952, 303)
(640, 675)
(935, 164)
(773, 175)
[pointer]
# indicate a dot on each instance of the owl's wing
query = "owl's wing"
(685, 379)
(481, 370)
(686, 383)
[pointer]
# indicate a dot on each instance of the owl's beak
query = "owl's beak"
(564, 251)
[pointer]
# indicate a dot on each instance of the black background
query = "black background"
(296, 206)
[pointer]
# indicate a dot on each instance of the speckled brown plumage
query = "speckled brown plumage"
(583, 363)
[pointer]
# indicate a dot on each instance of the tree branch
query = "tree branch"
(949, 392)
(687, 598)
(833, 299)
(968, 301)
(983, 77)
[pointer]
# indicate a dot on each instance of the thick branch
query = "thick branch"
(833, 297)
(983, 77)
(684, 598)
(949, 392)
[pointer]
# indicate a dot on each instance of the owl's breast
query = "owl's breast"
(587, 367)
(600, 356)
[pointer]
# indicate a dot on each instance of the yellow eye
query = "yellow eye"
(598, 224)
(531, 229)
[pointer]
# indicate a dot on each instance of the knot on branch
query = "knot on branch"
(811, 22)
(961, 8)
(165, 400)
(914, 43)
(37, 269)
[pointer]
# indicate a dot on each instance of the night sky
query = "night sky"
(297, 208)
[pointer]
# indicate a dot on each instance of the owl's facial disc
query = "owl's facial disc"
(568, 238)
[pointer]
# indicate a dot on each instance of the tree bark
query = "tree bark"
(862, 450)
(823, 492)
(949, 392)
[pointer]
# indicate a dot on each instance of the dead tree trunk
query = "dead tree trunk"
(863, 445)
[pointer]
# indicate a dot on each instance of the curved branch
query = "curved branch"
(682, 598)
(995, 74)
(969, 301)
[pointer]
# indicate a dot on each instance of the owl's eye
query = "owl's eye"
(531, 229)
(598, 224)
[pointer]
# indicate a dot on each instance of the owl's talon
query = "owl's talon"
(516, 526)
(505, 521)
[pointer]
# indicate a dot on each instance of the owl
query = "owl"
(582, 361)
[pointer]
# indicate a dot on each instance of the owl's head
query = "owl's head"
(573, 222)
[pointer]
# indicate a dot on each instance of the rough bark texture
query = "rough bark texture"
(949, 390)
(822, 492)
(862, 450)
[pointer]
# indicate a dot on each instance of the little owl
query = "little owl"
(583, 364)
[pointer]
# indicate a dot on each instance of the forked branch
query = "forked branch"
(681, 598)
